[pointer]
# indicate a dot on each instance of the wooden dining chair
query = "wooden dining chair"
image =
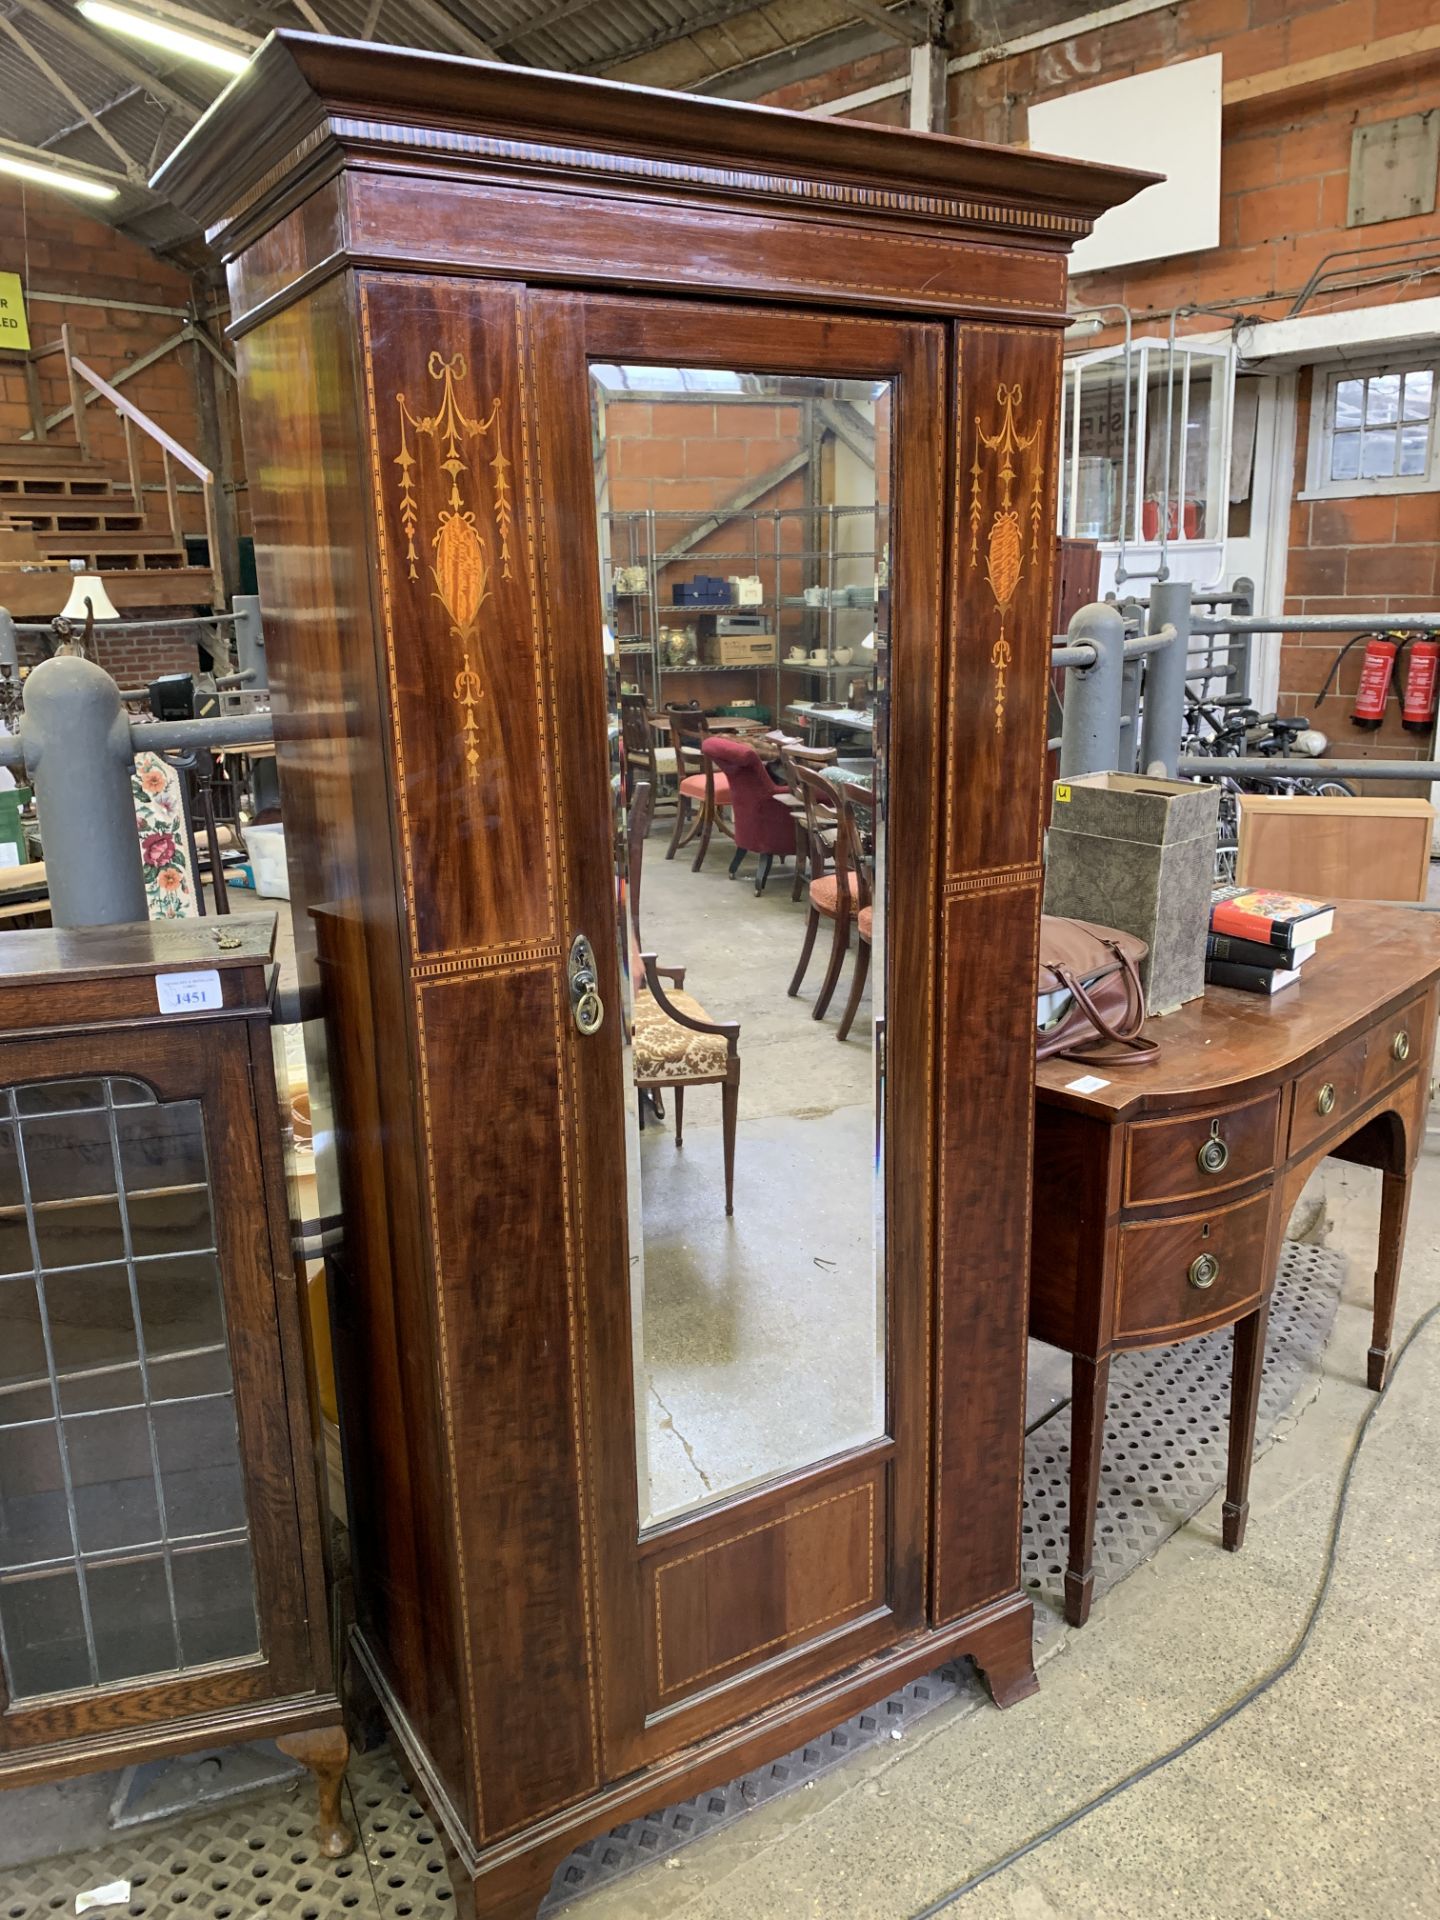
(674, 1042)
(827, 899)
(857, 828)
(704, 789)
(645, 759)
(806, 866)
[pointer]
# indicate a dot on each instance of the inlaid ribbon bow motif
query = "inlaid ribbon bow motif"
(1006, 556)
(462, 567)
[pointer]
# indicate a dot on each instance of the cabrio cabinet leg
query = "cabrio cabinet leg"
(326, 1752)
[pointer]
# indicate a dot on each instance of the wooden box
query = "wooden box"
(1341, 847)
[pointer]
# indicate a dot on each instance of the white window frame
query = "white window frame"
(1326, 378)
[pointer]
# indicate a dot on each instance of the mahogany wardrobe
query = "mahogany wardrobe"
(639, 1506)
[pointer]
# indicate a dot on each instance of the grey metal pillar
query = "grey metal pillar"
(250, 657)
(76, 740)
(1090, 735)
(249, 638)
(9, 643)
(1163, 721)
(1243, 603)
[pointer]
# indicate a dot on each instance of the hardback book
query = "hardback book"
(1251, 953)
(1271, 918)
(1230, 973)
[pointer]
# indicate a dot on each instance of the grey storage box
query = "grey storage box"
(1139, 854)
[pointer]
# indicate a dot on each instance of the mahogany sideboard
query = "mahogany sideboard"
(1179, 1177)
(428, 260)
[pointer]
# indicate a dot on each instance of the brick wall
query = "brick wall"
(58, 249)
(1376, 553)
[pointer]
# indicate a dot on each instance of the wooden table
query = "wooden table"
(1162, 1195)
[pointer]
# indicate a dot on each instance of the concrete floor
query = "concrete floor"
(1318, 1801)
(760, 1335)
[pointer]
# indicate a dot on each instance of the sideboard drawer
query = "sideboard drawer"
(1197, 1154)
(1335, 1088)
(1193, 1269)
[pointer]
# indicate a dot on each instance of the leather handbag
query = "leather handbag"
(1099, 968)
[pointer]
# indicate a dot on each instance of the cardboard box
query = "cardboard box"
(744, 649)
(1139, 854)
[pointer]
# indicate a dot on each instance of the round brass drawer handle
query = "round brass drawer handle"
(1214, 1154)
(1325, 1099)
(1204, 1270)
(1400, 1045)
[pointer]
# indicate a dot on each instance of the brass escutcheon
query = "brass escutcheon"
(1400, 1045)
(1325, 1099)
(1204, 1270)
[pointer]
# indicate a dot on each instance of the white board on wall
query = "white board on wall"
(1166, 121)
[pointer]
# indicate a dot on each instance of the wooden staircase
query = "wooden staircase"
(58, 505)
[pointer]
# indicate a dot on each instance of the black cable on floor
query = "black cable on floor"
(1261, 1686)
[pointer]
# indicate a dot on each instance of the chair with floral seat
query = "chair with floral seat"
(758, 818)
(674, 1042)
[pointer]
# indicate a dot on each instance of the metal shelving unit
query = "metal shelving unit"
(851, 609)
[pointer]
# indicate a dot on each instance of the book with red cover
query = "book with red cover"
(1271, 918)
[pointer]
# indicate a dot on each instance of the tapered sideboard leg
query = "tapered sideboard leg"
(1394, 1205)
(1244, 1402)
(1089, 1392)
(326, 1752)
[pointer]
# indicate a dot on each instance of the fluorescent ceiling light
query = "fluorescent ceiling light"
(151, 32)
(53, 177)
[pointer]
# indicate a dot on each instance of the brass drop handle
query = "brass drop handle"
(1214, 1154)
(1400, 1045)
(1204, 1270)
(587, 1009)
(1325, 1099)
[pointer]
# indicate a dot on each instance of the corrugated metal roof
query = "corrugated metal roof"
(106, 76)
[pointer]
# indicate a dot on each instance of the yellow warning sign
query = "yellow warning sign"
(1062, 793)
(14, 328)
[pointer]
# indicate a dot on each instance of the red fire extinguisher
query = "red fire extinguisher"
(1376, 672)
(1417, 707)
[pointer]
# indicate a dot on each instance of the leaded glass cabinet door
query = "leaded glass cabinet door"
(149, 1539)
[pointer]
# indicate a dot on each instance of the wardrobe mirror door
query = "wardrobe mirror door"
(744, 620)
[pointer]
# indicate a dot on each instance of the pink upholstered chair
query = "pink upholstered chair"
(759, 820)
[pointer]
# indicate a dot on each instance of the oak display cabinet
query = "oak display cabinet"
(445, 278)
(161, 1582)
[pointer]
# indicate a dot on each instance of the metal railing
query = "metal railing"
(1112, 724)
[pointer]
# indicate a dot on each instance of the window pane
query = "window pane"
(1419, 394)
(59, 1096)
(1382, 399)
(180, 1303)
(1349, 403)
(80, 1234)
(215, 1599)
(11, 1192)
(130, 1612)
(1345, 457)
(1377, 459)
(115, 1504)
(161, 1146)
(1414, 445)
(34, 1524)
(68, 1156)
(43, 1631)
(200, 1465)
(92, 1334)
(24, 1379)
(176, 1222)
